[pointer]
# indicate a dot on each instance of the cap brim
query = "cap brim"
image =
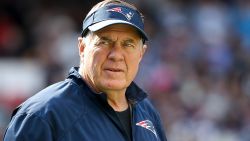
(102, 24)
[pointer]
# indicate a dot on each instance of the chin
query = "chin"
(115, 85)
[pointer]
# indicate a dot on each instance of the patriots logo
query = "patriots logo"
(128, 14)
(148, 125)
(116, 9)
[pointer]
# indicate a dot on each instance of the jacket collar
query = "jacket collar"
(134, 94)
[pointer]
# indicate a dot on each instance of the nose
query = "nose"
(116, 53)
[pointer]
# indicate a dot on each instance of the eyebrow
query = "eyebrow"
(110, 40)
(129, 41)
(105, 39)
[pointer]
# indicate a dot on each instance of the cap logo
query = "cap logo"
(128, 14)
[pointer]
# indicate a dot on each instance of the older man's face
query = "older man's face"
(111, 57)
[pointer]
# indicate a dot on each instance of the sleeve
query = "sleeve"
(160, 130)
(157, 121)
(27, 127)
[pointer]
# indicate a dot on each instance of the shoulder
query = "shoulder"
(62, 102)
(146, 105)
(54, 95)
(22, 127)
(54, 109)
(147, 108)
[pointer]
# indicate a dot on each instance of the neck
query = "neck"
(117, 101)
(87, 80)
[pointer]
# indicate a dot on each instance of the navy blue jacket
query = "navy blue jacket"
(70, 111)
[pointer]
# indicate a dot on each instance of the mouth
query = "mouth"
(113, 69)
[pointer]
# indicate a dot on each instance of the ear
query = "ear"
(81, 46)
(144, 48)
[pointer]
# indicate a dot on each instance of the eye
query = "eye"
(129, 45)
(102, 42)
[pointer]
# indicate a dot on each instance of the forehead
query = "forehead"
(122, 29)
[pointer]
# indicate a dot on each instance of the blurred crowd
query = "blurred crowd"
(196, 68)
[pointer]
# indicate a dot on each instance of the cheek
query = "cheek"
(93, 59)
(133, 64)
(88, 60)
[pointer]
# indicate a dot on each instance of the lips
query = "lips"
(114, 69)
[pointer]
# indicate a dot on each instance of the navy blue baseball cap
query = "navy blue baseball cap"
(114, 14)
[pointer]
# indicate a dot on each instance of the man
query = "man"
(99, 100)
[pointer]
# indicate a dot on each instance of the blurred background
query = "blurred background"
(196, 68)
